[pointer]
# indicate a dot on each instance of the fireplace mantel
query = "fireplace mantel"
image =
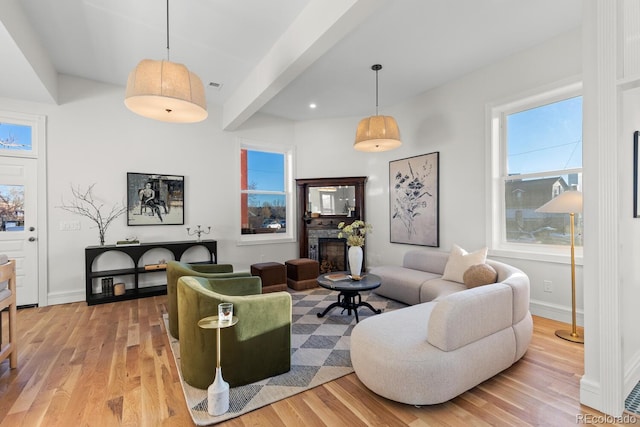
(315, 219)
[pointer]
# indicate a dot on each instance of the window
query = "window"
(265, 194)
(15, 137)
(537, 154)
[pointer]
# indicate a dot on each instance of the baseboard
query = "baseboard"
(557, 312)
(590, 393)
(55, 298)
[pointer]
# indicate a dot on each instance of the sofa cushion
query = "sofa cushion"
(431, 261)
(436, 288)
(467, 316)
(401, 284)
(460, 260)
(519, 283)
(480, 274)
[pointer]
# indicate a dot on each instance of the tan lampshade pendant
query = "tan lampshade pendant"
(166, 91)
(377, 133)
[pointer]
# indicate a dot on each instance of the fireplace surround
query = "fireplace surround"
(322, 204)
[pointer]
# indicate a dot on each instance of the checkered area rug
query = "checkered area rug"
(632, 402)
(319, 353)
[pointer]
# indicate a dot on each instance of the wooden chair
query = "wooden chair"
(8, 299)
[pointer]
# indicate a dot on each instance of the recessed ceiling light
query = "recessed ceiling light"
(312, 105)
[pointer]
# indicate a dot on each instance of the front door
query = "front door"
(19, 226)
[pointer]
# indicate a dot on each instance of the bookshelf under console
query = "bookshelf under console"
(130, 269)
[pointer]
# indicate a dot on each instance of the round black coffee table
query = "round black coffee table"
(349, 297)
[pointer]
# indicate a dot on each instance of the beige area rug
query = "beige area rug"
(319, 353)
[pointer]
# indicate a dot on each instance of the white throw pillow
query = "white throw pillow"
(460, 260)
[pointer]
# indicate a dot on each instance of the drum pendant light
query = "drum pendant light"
(166, 91)
(377, 133)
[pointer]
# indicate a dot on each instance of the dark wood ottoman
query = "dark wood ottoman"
(272, 274)
(302, 273)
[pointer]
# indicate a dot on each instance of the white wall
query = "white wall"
(93, 138)
(451, 120)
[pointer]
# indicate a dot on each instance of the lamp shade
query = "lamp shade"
(377, 133)
(166, 91)
(566, 202)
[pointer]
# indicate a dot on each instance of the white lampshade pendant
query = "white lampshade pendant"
(377, 133)
(166, 91)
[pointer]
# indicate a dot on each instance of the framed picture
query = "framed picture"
(155, 199)
(636, 196)
(413, 204)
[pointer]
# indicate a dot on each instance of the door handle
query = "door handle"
(32, 229)
(32, 239)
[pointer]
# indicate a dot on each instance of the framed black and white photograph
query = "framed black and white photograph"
(155, 199)
(413, 193)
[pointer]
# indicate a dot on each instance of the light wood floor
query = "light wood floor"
(110, 365)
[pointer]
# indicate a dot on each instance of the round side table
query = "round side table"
(218, 391)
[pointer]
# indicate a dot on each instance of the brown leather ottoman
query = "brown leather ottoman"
(272, 274)
(302, 273)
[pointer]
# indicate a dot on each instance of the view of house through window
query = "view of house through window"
(263, 198)
(543, 146)
(11, 207)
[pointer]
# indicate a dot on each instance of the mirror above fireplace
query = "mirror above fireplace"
(331, 200)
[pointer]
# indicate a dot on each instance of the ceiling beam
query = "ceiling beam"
(28, 73)
(318, 28)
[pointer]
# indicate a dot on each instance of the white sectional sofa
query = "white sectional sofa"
(449, 340)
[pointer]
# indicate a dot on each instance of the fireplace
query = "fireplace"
(332, 254)
(320, 209)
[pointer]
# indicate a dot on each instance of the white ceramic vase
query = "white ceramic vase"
(218, 395)
(355, 261)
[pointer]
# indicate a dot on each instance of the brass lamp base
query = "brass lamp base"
(570, 336)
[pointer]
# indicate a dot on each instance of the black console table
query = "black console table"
(135, 252)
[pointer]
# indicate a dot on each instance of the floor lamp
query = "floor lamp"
(568, 202)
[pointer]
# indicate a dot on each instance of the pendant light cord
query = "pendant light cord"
(168, 58)
(376, 92)
(376, 68)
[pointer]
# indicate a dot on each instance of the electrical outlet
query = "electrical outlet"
(548, 286)
(69, 225)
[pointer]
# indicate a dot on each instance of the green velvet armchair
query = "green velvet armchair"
(257, 347)
(177, 269)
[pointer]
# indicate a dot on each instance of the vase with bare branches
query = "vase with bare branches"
(85, 203)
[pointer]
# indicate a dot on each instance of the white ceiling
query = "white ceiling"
(273, 56)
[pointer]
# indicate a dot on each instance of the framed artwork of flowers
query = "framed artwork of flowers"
(413, 204)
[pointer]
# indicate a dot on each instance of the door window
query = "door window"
(11, 208)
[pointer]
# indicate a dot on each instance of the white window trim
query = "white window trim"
(495, 162)
(256, 239)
